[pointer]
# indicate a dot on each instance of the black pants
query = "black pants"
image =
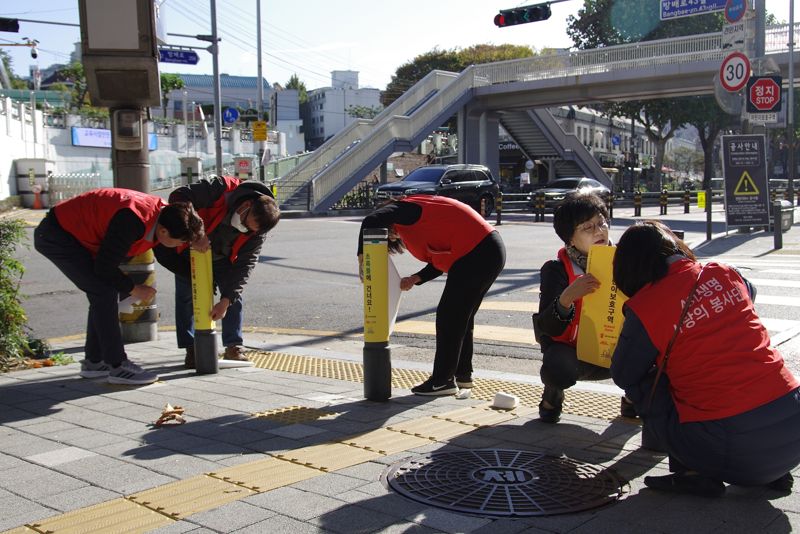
(467, 282)
(103, 335)
(749, 449)
(561, 368)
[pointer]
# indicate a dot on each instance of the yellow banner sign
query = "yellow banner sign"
(601, 311)
(701, 199)
(259, 130)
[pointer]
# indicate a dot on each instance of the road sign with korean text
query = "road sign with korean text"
(745, 167)
(175, 55)
(259, 130)
(764, 94)
(673, 9)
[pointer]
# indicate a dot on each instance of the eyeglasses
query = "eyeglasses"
(591, 227)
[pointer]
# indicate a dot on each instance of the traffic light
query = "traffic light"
(9, 25)
(521, 15)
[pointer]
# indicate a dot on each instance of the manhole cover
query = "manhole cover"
(503, 482)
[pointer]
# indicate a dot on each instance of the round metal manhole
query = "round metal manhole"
(504, 482)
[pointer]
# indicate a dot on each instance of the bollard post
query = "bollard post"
(610, 205)
(540, 201)
(776, 224)
(663, 201)
(637, 203)
(687, 199)
(498, 206)
(377, 355)
(708, 213)
(205, 335)
(138, 321)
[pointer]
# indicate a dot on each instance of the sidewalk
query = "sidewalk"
(85, 454)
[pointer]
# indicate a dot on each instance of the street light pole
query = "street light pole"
(790, 115)
(260, 91)
(217, 95)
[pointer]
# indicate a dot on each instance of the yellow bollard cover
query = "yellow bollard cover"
(376, 290)
(202, 289)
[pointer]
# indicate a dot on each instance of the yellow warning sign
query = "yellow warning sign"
(746, 186)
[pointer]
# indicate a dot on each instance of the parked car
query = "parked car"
(471, 184)
(555, 191)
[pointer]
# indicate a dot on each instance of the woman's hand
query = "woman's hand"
(143, 293)
(220, 309)
(409, 281)
(582, 286)
(201, 244)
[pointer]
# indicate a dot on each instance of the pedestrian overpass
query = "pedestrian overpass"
(514, 94)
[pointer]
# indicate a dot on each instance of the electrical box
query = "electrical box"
(127, 129)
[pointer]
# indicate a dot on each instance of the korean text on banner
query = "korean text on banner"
(601, 312)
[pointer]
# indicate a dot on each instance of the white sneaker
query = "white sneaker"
(131, 373)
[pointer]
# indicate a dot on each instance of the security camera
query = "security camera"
(34, 52)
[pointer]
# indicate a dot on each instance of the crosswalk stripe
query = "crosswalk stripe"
(779, 325)
(486, 332)
(780, 271)
(777, 300)
(773, 282)
(501, 305)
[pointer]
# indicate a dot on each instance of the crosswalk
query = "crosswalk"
(777, 281)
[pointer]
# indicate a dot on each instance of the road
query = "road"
(307, 280)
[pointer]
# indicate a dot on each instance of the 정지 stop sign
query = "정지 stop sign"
(764, 94)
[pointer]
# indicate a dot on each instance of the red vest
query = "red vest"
(722, 363)
(87, 216)
(570, 335)
(215, 214)
(446, 231)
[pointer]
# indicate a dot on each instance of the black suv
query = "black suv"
(471, 184)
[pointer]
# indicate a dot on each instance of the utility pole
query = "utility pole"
(790, 114)
(217, 95)
(260, 82)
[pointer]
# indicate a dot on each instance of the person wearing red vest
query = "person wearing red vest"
(725, 407)
(449, 237)
(87, 237)
(237, 215)
(581, 221)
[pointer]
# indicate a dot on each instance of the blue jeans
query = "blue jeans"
(184, 317)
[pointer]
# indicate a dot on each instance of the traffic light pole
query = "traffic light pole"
(790, 114)
(260, 92)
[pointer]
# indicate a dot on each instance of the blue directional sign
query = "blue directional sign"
(177, 55)
(230, 115)
(673, 9)
(735, 10)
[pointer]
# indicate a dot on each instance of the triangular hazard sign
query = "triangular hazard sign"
(746, 186)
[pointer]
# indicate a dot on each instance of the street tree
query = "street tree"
(363, 112)
(454, 60)
(15, 81)
(295, 83)
(169, 82)
(75, 77)
(602, 23)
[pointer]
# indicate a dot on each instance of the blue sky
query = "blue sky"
(312, 37)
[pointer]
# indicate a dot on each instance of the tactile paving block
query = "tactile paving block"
(295, 414)
(431, 428)
(385, 441)
(267, 474)
(328, 456)
(187, 497)
(477, 416)
(119, 515)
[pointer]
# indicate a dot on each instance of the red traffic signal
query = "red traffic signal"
(522, 15)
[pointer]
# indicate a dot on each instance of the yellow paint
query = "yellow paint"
(376, 291)
(202, 289)
(492, 333)
(515, 306)
(601, 312)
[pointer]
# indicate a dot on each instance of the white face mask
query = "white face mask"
(236, 222)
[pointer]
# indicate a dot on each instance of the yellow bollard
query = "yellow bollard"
(139, 320)
(377, 355)
(205, 335)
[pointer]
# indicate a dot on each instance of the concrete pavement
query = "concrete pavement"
(81, 455)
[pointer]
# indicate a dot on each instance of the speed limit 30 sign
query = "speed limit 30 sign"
(734, 72)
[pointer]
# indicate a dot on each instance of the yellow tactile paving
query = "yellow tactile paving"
(477, 416)
(296, 414)
(20, 530)
(187, 497)
(385, 441)
(267, 474)
(117, 516)
(431, 428)
(329, 456)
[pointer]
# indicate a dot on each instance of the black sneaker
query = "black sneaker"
(626, 408)
(555, 398)
(689, 484)
(785, 483)
(430, 388)
(464, 381)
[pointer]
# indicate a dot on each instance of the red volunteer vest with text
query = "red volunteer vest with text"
(87, 216)
(570, 335)
(722, 363)
(446, 231)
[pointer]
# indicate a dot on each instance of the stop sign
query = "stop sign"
(764, 93)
